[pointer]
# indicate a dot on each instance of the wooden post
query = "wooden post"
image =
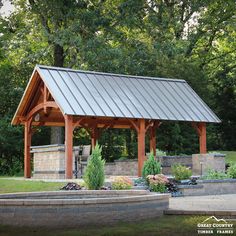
(141, 146)
(94, 136)
(202, 138)
(153, 140)
(27, 165)
(69, 146)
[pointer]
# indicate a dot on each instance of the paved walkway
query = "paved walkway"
(211, 204)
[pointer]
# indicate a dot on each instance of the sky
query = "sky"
(6, 9)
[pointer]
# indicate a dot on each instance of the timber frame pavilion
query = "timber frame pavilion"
(94, 100)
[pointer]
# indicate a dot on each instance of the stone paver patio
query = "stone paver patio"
(211, 202)
(224, 205)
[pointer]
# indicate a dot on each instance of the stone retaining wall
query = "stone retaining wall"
(49, 163)
(81, 211)
(168, 161)
(203, 162)
(122, 167)
(209, 187)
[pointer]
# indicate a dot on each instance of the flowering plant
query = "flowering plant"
(157, 183)
(122, 182)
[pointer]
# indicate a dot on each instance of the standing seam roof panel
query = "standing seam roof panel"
(110, 95)
(147, 97)
(158, 101)
(115, 96)
(97, 96)
(129, 91)
(86, 94)
(198, 102)
(186, 109)
(186, 99)
(168, 105)
(212, 114)
(67, 90)
(130, 99)
(62, 102)
(75, 91)
(107, 98)
(126, 101)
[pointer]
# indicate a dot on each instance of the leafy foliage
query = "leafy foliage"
(180, 172)
(94, 174)
(121, 182)
(231, 172)
(157, 183)
(214, 174)
(191, 40)
(151, 166)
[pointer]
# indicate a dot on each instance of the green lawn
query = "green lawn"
(166, 225)
(10, 186)
(230, 156)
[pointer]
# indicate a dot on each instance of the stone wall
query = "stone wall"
(209, 187)
(203, 162)
(49, 161)
(80, 208)
(168, 161)
(122, 167)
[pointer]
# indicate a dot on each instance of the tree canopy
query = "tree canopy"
(184, 39)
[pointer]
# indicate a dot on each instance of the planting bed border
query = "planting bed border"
(209, 187)
(83, 207)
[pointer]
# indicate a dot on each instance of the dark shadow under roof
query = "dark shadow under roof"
(99, 94)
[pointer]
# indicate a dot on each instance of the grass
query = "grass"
(230, 156)
(11, 186)
(166, 225)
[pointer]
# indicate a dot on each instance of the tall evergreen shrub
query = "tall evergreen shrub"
(94, 175)
(151, 166)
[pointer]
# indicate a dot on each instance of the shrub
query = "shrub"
(151, 166)
(214, 174)
(181, 172)
(232, 171)
(140, 182)
(122, 182)
(94, 174)
(157, 183)
(160, 152)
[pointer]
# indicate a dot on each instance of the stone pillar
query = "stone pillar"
(203, 162)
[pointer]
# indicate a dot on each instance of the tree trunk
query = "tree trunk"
(57, 132)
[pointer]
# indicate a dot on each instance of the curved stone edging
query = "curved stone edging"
(96, 207)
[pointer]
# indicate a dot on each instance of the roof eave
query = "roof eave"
(15, 119)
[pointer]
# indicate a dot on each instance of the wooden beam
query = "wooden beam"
(202, 138)
(141, 146)
(94, 136)
(196, 127)
(77, 122)
(134, 124)
(153, 140)
(149, 125)
(201, 132)
(39, 107)
(69, 146)
(27, 144)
